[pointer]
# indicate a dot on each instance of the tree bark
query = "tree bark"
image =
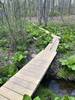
(69, 10)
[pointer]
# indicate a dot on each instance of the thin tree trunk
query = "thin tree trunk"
(40, 11)
(52, 8)
(69, 10)
(61, 6)
(44, 12)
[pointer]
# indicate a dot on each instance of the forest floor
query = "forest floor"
(11, 62)
(70, 19)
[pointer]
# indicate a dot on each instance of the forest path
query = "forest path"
(29, 77)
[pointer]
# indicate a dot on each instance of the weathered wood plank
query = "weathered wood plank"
(26, 84)
(55, 42)
(18, 88)
(11, 95)
(31, 70)
(3, 98)
(27, 78)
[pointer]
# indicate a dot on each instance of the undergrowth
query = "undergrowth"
(11, 61)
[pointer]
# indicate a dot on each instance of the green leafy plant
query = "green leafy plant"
(18, 56)
(3, 42)
(64, 98)
(26, 97)
(19, 59)
(64, 47)
(6, 72)
(38, 35)
(10, 70)
(37, 98)
(69, 62)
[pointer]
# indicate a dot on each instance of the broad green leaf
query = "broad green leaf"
(57, 98)
(72, 67)
(37, 98)
(20, 57)
(65, 98)
(63, 62)
(26, 97)
(69, 62)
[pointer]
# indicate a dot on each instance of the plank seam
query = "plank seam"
(24, 79)
(21, 85)
(13, 90)
(4, 97)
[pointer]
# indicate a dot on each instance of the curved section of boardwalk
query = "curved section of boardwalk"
(29, 77)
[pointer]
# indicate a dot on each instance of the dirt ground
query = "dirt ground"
(66, 19)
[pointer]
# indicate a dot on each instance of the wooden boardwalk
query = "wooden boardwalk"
(29, 77)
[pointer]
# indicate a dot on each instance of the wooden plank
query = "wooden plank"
(42, 73)
(3, 98)
(36, 70)
(27, 78)
(26, 71)
(54, 43)
(18, 88)
(41, 60)
(11, 95)
(26, 84)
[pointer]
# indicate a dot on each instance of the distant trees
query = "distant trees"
(13, 13)
(69, 10)
(43, 11)
(17, 11)
(46, 7)
(1, 12)
(40, 11)
(52, 7)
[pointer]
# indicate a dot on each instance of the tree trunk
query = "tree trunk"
(45, 12)
(40, 11)
(69, 10)
(52, 8)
